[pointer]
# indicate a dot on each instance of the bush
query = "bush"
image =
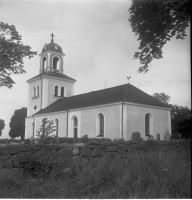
(40, 163)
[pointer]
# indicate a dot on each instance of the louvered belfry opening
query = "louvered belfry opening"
(55, 63)
(44, 63)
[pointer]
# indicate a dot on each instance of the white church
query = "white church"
(113, 113)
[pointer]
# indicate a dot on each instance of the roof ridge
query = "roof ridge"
(109, 88)
(97, 90)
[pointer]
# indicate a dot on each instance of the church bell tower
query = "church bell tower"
(51, 58)
(51, 83)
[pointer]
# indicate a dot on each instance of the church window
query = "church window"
(57, 126)
(34, 91)
(56, 90)
(75, 127)
(62, 91)
(100, 125)
(33, 129)
(35, 107)
(55, 63)
(44, 63)
(37, 90)
(148, 124)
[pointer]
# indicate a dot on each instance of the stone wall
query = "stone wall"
(13, 156)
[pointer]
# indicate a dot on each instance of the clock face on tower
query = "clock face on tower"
(56, 47)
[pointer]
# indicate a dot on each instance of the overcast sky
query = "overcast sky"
(98, 42)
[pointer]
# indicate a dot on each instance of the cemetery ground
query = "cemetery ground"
(153, 174)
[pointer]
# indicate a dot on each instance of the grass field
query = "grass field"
(142, 175)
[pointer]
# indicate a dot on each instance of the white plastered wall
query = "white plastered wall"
(49, 90)
(111, 121)
(62, 126)
(29, 127)
(135, 118)
(32, 101)
(133, 121)
(72, 114)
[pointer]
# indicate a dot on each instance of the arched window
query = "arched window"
(57, 126)
(55, 63)
(56, 90)
(33, 129)
(44, 63)
(37, 90)
(34, 91)
(148, 124)
(100, 125)
(62, 91)
(75, 127)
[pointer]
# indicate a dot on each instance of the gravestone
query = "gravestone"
(136, 136)
(158, 137)
(167, 136)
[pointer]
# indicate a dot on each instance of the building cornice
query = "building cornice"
(78, 109)
(41, 54)
(104, 105)
(58, 78)
(49, 77)
(149, 106)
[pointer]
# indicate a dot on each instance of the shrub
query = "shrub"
(40, 164)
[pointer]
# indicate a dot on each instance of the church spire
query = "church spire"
(52, 37)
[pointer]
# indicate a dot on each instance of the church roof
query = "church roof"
(52, 47)
(53, 74)
(127, 93)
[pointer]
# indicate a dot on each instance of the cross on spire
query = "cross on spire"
(52, 37)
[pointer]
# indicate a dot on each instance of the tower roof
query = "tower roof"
(52, 47)
(123, 93)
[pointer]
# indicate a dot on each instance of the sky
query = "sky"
(99, 44)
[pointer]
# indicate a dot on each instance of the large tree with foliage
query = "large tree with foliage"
(12, 52)
(156, 22)
(162, 97)
(17, 123)
(185, 127)
(2, 125)
(181, 117)
(181, 121)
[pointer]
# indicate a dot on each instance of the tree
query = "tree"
(181, 121)
(12, 52)
(17, 123)
(46, 129)
(2, 125)
(185, 127)
(181, 117)
(156, 22)
(162, 97)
